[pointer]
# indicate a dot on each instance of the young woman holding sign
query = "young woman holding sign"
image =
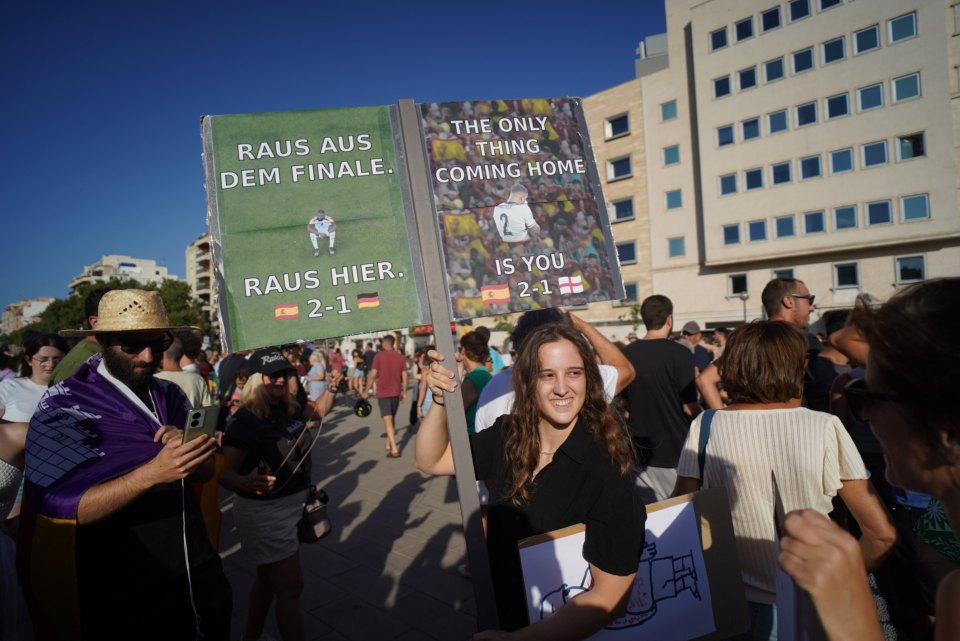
(560, 458)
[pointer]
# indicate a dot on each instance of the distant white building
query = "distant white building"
(142, 270)
(16, 315)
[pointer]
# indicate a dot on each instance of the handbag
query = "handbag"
(314, 523)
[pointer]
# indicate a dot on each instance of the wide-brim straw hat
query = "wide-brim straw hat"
(130, 310)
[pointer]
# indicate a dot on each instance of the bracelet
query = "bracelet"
(435, 399)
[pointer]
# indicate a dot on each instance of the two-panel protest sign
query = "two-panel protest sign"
(314, 235)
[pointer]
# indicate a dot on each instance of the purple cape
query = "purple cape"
(85, 432)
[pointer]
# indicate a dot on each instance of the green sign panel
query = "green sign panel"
(308, 216)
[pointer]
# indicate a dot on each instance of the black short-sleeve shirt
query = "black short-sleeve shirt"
(267, 443)
(581, 485)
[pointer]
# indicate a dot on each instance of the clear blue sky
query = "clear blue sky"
(102, 101)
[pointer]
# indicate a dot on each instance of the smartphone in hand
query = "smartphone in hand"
(202, 420)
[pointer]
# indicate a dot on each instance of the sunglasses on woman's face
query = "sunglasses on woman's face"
(858, 396)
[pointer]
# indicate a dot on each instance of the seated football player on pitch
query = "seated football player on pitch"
(322, 226)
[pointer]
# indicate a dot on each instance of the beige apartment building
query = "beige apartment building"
(809, 138)
(200, 277)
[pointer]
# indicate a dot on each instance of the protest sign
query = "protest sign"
(518, 205)
(688, 583)
(308, 218)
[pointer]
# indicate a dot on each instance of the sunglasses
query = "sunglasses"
(810, 297)
(133, 345)
(858, 395)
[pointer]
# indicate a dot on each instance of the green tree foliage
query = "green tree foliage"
(68, 313)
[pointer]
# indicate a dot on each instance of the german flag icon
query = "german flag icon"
(368, 300)
(286, 312)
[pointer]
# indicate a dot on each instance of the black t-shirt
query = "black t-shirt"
(581, 485)
(141, 546)
(664, 383)
(702, 357)
(267, 443)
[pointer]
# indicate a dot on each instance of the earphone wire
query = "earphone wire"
(186, 557)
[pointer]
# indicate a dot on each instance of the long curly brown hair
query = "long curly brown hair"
(521, 448)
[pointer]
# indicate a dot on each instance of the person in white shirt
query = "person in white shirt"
(322, 226)
(513, 218)
(19, 396)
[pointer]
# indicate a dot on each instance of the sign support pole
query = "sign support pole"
(433, 268)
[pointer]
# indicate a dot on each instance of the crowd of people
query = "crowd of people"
(115, 526)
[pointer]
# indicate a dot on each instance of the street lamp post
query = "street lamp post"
(744, 297)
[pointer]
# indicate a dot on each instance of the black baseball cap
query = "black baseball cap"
(270, 362)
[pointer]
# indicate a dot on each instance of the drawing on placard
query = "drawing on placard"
(658, 578)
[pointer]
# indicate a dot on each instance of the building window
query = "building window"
(623, 209)
(910, 269)
(878, 213)
(873, 154)
(757, 230)
(630, 293)
(724, 135)
(747, 78)
(910, 146)
(618, 168)
(773, 69)
(668, 110)
(802, 60)
(838, 106)
(845, 217)
(846, 275)
(841, 161)
(780, 173)
(627, 253)
(784, 226)
(731, 234)
(783, 273)
(870, 97)
(737, 283)
(777, 121)
(798, 9)
(718, 39)
(674, 199)
(810, 167)
(906, 87)
(829, 4)
(753, 179)
(676, 247)
(721, 87)
(834, 50)
(770, 19)
(813, 222)
(806, 114)
(744, 29)
(902, 28)
(750, 128)
(671, 155)
(914, 207)
(866, 39)
(728, 184)
(617, 126)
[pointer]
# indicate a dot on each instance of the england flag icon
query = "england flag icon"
(571, 284)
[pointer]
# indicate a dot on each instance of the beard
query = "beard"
(132, 373)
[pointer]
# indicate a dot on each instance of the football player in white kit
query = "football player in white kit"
(322, 226)
(513, 218)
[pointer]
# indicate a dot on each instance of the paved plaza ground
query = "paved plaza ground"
(388, 570)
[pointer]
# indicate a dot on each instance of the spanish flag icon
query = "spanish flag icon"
(495, 294)
(286, 312)
(365, 301)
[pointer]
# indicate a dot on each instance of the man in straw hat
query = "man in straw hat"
(114, 545)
